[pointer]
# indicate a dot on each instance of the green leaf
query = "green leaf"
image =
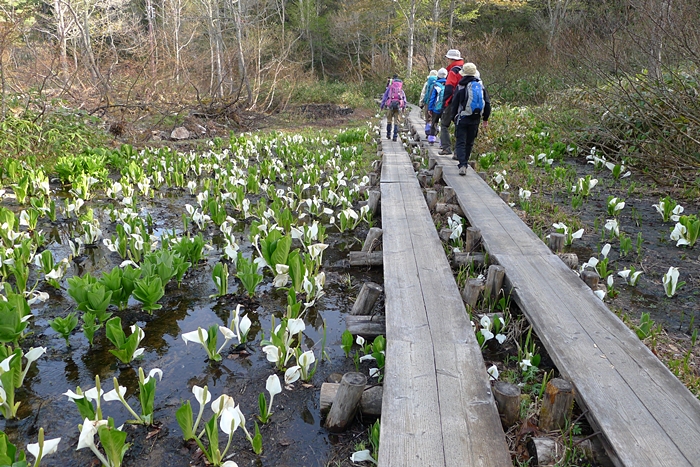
(115, 333)
(347, 342)
(281, 251)
(114, 443)
(184, 419)
(262, 405)
(257, 440)
(212, 430)
(147, 395)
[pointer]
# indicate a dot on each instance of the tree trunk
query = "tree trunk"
(433, 39)
(241, 59)
(411, 37)
(450, 41)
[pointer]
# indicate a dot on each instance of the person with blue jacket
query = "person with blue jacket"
(425, 93)
(435, 102)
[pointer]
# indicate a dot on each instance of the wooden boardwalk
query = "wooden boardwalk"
(646, 417)
(437, 408)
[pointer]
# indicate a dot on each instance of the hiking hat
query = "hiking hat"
(453, 54)
(469, 69)
(432, 73)
(442, 73)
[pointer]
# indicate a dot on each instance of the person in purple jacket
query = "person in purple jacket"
(394, 100)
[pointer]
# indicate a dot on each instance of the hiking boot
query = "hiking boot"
(463, 170)
(445, 152)
(395, 137)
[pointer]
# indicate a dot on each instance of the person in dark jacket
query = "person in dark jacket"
(467, 126)
(453, 78)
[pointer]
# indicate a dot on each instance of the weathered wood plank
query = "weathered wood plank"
(631, 395)
(425, 316)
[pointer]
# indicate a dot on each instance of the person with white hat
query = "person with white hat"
(471, 103)
(456, 63)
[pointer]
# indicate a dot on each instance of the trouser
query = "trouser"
(393, 117)
(424, 111)
(434, 124)
(465, 134)
(445, 122)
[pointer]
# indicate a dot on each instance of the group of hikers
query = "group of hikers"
(454, 94)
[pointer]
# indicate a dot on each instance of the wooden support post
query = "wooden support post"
(362, 258)
(346, 401)
(366, 326)
(443, 208)
(494, 282)
(445, 234)
(372, 240)
(423, 179)
(591, 279)
(556, 242)
(432, 162)
(416, 166)
(471, 292)
(372, 178)
(570, 259)
(472, 164)
(373, 201)
(370, 402)
(505, 196)
(465, 258)
(448, 193)
(507, 397)
(549, 451)
(431, 198)
(483, 175)
(557, 405)
(369, 293)
(473, 238)
(437, 174)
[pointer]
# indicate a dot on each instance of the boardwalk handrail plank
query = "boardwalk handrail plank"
(647, 417)
(425, 316)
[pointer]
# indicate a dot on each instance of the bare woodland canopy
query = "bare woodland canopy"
(251, 49)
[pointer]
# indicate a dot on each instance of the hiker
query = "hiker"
(435, 104)
(453, 78)
(471, 103)
(394, 100)
(425, 93)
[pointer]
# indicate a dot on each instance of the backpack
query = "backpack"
(439, 89)
(473, 101)
(395, 98)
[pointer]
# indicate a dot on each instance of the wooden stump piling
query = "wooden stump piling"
(372, 239)
(370, 402)
(556, 242)
(557, 405)
(494, 282)
(369, 293)
(591, 279)
(507, 397)
(431, 198)
(345, 402)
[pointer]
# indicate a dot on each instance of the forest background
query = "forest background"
(621, 73)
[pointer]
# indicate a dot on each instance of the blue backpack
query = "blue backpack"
(473, 102)
(439, 91)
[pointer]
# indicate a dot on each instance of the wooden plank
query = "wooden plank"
(631, 395)
(469, 428)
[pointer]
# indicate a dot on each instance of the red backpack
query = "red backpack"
(395, 98)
